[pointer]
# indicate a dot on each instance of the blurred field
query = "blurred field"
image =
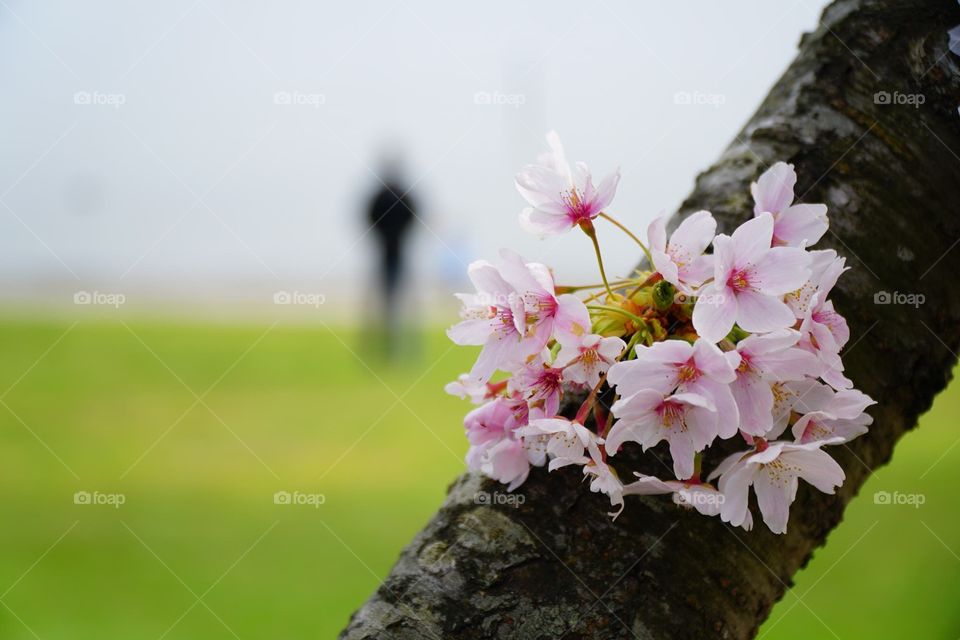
(200, 550)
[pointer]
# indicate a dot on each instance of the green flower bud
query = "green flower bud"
(663, 295)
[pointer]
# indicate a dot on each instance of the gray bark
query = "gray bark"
(556, 566)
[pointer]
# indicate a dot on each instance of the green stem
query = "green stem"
(623, 312)
(592, 234)
(630, 345)
(580, 287)
(623, 228)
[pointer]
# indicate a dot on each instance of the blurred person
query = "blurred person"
(390, 213)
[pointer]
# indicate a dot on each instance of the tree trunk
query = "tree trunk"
(556, 565)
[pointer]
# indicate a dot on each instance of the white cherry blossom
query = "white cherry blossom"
(773, 473)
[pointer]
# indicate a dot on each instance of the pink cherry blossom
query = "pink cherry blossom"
(536, 448)
(567, 441)
(832, 371)
(588, 358)
(820, 319)
(604, 479)
(825, 332)
(561, 199)
(492, 318)
(508, 462)
(492, 423)
(681, 261)
(687, 421)
(541, 385)
(764, 360)
(671, 365)
(564, 317)
(790, 395)
(799, 300)
(773, 473)
(750, 279)
(466, 387)
(496, 446)
(762, 357)
(794, 224)
(513, 313)
(839, 417)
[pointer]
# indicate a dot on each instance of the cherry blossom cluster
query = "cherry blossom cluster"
(724, 336)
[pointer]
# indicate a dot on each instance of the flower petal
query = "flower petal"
(735, 487)
(470, 332)
(801, 224)
(683, 453)
(774, 496)
(755, 402)
(572, 320)
(817, 467)
(758, 313)
(543, 223)
(539, 184)
(695, 233)
(751, 240)
(781, 270)
(715, 313)
(605, 192)
(773, 191)
(657, 234)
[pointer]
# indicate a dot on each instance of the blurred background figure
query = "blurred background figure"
(390, 213)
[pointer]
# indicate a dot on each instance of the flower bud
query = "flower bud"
(663, 295)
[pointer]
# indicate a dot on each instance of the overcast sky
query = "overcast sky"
(217, 142)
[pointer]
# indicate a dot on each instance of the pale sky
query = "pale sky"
(145, 144)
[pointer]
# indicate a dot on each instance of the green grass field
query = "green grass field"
(199, 426)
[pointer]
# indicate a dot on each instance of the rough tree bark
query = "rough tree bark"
(556, 566)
